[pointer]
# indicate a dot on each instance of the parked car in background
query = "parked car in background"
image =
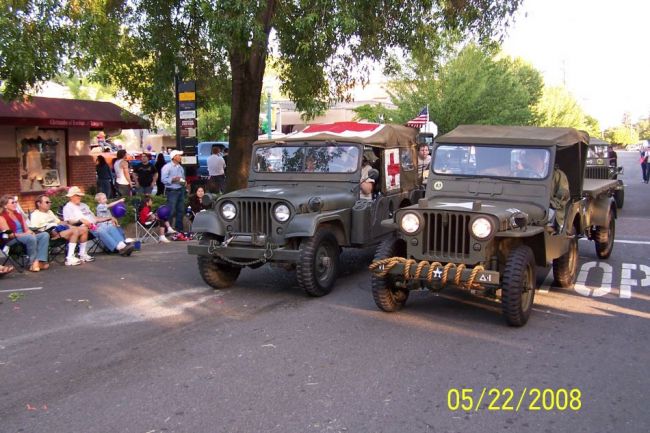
(204, 150)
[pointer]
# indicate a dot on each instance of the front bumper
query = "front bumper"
(265, 254)
(436, 274)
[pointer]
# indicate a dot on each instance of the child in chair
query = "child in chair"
(148, 218)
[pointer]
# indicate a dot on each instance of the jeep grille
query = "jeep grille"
(254, 216)
(598, 172)
(446, 235)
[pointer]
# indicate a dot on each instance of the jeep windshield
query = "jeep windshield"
(306, 159)
(492, 161)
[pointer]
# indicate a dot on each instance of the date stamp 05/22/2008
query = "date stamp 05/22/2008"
(512, 400)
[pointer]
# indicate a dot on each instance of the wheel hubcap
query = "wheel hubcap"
(323, 263)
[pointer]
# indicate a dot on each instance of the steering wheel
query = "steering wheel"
(526, 172)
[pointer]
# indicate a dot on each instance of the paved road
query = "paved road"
(141, 345)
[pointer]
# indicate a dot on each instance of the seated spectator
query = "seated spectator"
(148, 218)
(44, 220)
(75, 213)
(104, 208)
(196, 202)
(36, 244)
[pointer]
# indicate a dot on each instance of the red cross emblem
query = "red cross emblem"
(392, 169)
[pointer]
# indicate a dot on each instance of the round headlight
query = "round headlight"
(481, 228)
(410, 223)
(228, 210)
(281, 213)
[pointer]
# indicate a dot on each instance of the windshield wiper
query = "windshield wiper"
(473, 176)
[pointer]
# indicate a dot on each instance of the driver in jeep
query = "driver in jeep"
(534, 165)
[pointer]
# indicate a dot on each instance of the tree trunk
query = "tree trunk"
(247, 67)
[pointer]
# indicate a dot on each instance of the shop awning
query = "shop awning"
(68, 113)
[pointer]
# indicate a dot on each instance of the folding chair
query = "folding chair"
(13, 253)
(143, 231)
(57, 250)
(96, 245)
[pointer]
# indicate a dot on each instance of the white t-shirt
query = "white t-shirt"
(364, 178)
(120, 178)
(216, 165)
(73, 212)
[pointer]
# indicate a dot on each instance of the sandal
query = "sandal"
(4, 270)
(35, 267)
(44, 266)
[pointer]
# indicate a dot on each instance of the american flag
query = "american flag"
(419, 120)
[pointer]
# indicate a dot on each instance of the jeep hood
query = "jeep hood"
(501, 209)
(332, 196)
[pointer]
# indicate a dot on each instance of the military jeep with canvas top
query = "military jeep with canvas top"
(602, 163)
(487, 222)
(302, 203)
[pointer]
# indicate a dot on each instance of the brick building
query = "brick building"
(45, 143)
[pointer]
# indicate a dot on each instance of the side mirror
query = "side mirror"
(620, 170)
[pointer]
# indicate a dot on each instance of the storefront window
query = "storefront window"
(42, 158)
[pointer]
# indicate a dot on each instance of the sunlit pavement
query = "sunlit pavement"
(141, 344)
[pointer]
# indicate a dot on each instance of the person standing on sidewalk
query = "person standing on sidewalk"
(644, 163)
(122, 176)
(173, 177)
(145, 175)
(217, 170)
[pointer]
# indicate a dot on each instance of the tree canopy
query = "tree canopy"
(473, 87)
(557, 107)
(322, 48)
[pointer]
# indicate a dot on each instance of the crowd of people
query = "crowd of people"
(78, 225)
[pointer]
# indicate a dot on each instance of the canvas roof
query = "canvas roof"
(516, 135)
(375, 134)
(598, 142)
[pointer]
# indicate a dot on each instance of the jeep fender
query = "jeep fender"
(304, 225)
(208, 222)
(599, 211)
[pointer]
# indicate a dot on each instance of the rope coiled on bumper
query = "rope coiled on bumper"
(382, 268)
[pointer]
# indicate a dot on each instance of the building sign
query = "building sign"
(186, 127)
(76, 123)
(187, 114)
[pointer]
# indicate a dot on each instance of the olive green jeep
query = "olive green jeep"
(302, 203)
(486, 220)
(602, 163)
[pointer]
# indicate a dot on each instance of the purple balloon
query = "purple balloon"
(149, 147)
(119, 210)
(164, 212)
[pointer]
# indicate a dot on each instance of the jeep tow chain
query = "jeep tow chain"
(382, 268)
(268, 253)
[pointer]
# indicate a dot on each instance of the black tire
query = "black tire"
(518, 286)
(216, 274)
(619, 197)
(319, 263)
(387, 297)
(604, 239)
(565, 267)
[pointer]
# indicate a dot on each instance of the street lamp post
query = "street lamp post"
(268, 111)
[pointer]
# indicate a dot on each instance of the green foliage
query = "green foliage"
(472, 87)
(214, 123)
(622, 135)
(643, 128)
(558, 107)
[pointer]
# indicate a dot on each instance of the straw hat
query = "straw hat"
(75, 190)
